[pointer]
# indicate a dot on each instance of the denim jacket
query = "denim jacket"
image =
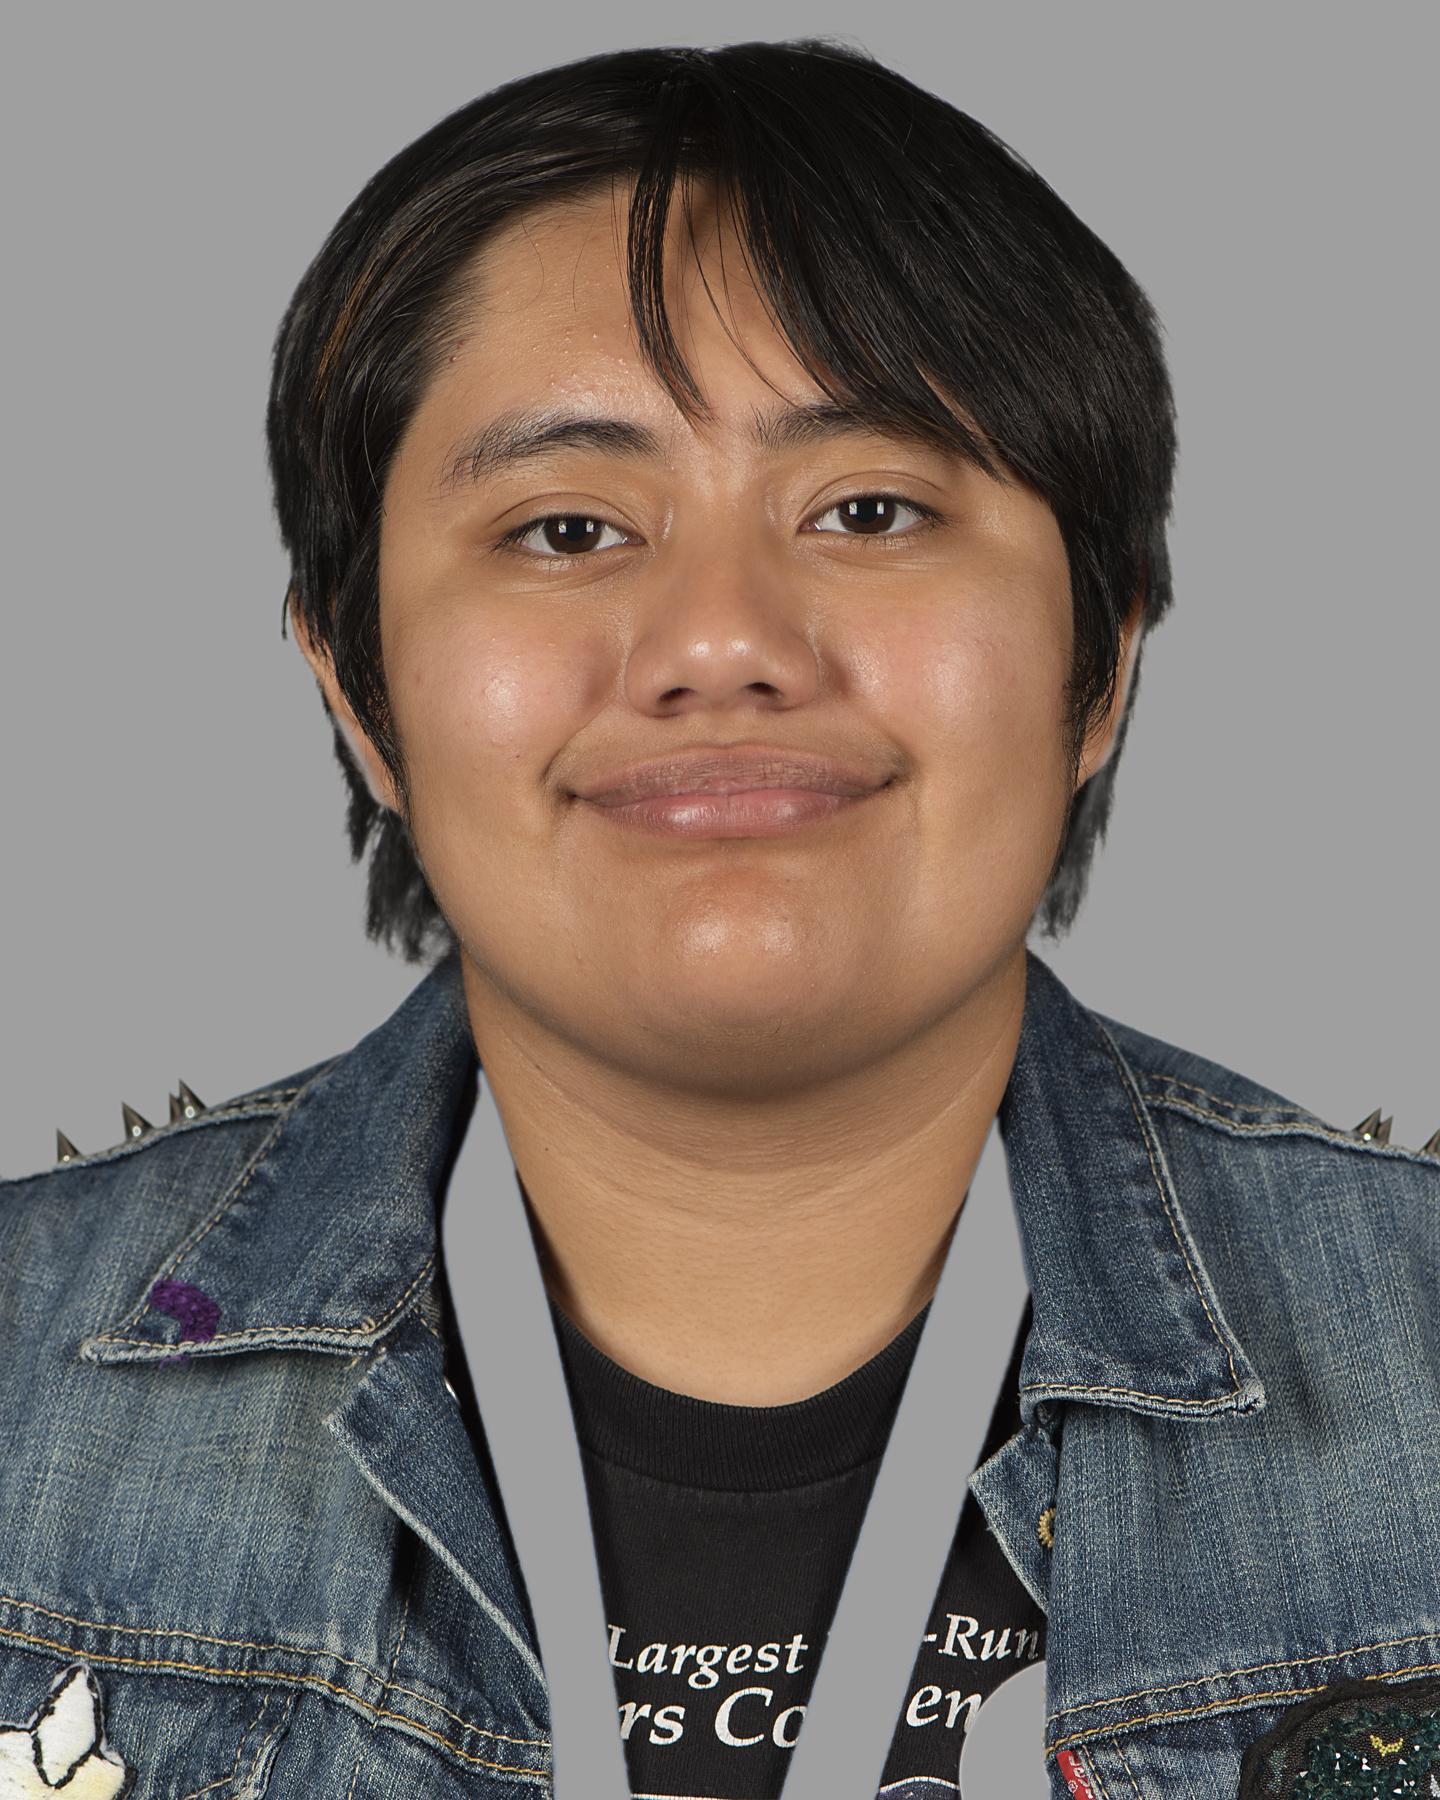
(247, 1547)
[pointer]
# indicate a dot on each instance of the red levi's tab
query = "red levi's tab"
(1076, 1779)
(1354, 1740)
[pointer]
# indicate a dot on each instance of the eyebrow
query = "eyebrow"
(520, 436)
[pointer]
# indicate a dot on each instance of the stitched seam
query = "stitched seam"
(195, 1793)
(1193, 1712)
(255, 1333)
(1302, 1662)
(1141, 1120)
(133, 1146)
(1098, 1782)
(389, 1675)
(198, 1236)
(1244, 1699)
(1154, 1075)
(311, 1681)
(267, 1741)
(1316, 1130)
(1130, 1773)
(1075, 1387)
(245, 1644)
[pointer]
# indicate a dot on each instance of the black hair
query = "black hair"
(906, 253)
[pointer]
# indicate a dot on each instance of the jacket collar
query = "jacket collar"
(330, 1235)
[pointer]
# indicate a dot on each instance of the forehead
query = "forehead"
(547, 334)
(554, 279)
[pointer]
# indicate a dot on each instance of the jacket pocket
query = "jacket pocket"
(87, 1730)
(1351, 1739)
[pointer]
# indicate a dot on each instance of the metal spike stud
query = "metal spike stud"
(1432, 1148)
(191, 1105)
(177, 1111)
(135, 1125)
(1367, 1127)
(1382, 1130)
(65, 1151)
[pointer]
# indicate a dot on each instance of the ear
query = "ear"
(1101, 740)
(363, 753)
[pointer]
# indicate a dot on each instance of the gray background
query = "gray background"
(178, 897)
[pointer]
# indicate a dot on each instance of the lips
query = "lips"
(720, 769)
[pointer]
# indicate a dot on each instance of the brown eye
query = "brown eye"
(872, 514)
(572, 536)
(564, 534)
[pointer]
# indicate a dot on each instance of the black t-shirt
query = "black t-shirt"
(723, 1534)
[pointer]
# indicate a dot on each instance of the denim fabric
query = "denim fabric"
(246, 1549)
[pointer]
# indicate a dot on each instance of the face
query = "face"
(720, 594)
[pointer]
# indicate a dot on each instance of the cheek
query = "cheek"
(480, 712)
(983, 710)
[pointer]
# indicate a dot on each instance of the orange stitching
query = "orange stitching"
(394, 1658)
(1099, 1778)
(201, 1637)
(1214, 1705)
(1300, 1662)
(1130, 1773)
(307, 1681)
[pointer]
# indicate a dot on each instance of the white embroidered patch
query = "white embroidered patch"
(62, 1745)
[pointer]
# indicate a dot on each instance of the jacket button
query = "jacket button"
(1045, 1528)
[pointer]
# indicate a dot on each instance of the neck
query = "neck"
(753, 1253)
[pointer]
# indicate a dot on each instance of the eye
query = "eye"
(573, 531)
(872, 511)
(571, 535)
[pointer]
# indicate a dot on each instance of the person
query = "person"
(725, 493)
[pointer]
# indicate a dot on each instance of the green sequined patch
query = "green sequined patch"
(1354, 1740)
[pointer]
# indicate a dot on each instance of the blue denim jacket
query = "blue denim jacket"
(246, 1547)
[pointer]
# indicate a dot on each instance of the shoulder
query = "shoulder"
(1220, 1120)
(78, 1240)
(167, 1166)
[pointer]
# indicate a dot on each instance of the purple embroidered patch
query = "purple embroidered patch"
(192, 1306)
